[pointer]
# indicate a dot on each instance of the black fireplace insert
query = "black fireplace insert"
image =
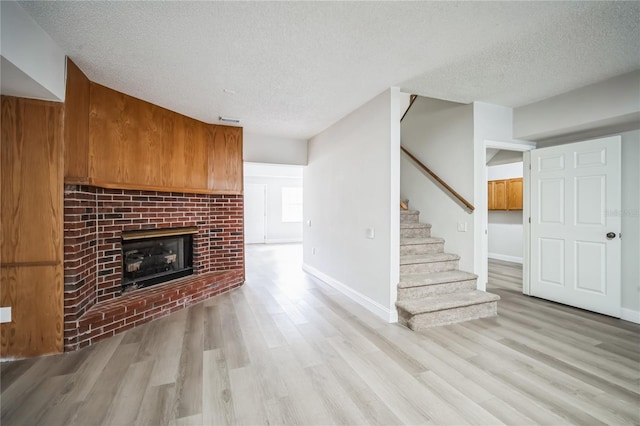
(153, 260)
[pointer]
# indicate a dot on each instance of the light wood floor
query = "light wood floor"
(284, 349)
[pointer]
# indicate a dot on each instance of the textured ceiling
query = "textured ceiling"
(298, 67)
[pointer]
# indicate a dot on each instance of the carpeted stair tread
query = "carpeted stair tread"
(434, 278)
(412, 259)
(414, 225)
(409, 212)
(446, 301)
(408, 241)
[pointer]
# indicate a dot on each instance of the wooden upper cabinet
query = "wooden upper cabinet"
(497, 195)
(225, 160)
(514, 195)
(505, 194)
(137, 145)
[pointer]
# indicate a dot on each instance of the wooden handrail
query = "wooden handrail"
(460, 198)
(413, 99)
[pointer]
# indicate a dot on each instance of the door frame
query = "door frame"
(481, 222)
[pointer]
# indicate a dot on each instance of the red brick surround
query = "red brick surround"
(94, 219)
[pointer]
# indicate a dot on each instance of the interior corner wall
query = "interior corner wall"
(440, 134)
(348, 185)
(32, 51)
(258, 148)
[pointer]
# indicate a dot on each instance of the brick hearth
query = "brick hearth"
(94, 219)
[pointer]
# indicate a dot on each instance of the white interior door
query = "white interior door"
(575, 225)
(255, 196)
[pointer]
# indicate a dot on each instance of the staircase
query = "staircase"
(432, 290)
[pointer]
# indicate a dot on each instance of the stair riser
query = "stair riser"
(422, 248)
(409, 217)
(447, 316)
(436, 289)
(415, 232)
(416, 268)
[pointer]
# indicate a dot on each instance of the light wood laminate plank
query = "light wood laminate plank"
(285, 349)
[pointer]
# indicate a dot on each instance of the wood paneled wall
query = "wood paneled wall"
(76, 126)
(133, 144)
(31, 231)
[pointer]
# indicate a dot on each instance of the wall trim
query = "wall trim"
(630, 315)
(362, 300)
(506, 258)
(282, 240)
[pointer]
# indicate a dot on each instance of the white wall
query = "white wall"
(34, 64)
(613, 103)
(631, 221)
(259, 148)
(404, 102)
(505, 171)
(505, 227)
(440, 135)
(351, 184)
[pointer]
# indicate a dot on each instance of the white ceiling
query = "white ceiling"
(298, 67)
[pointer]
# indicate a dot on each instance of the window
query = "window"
(291, 204)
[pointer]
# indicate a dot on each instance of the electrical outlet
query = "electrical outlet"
(462, 226)
(313, 250)
(370, 233)
(5, 314)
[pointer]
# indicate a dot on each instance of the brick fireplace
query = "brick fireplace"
(94, 222)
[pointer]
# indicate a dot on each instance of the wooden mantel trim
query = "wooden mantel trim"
(152, 233)
(133, 186)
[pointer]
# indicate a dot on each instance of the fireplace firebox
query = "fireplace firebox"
(154, 257)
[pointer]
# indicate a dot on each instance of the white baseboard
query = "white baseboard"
(506, 258)
(362, 300)
(630, 315)
(282, 241)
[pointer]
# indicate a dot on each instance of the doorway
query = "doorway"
(511, 149)
(273, 203)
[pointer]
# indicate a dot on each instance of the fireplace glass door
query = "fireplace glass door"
(155, 260)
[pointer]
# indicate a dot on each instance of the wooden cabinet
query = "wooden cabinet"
(133, 143)
(514, 194)
(225, 160)
(498, 195)
(31, 276)
(114, 140)
(505, 194)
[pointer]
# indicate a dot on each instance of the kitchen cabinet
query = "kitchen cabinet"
(505, 194)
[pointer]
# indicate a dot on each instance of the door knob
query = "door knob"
(611, 235)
